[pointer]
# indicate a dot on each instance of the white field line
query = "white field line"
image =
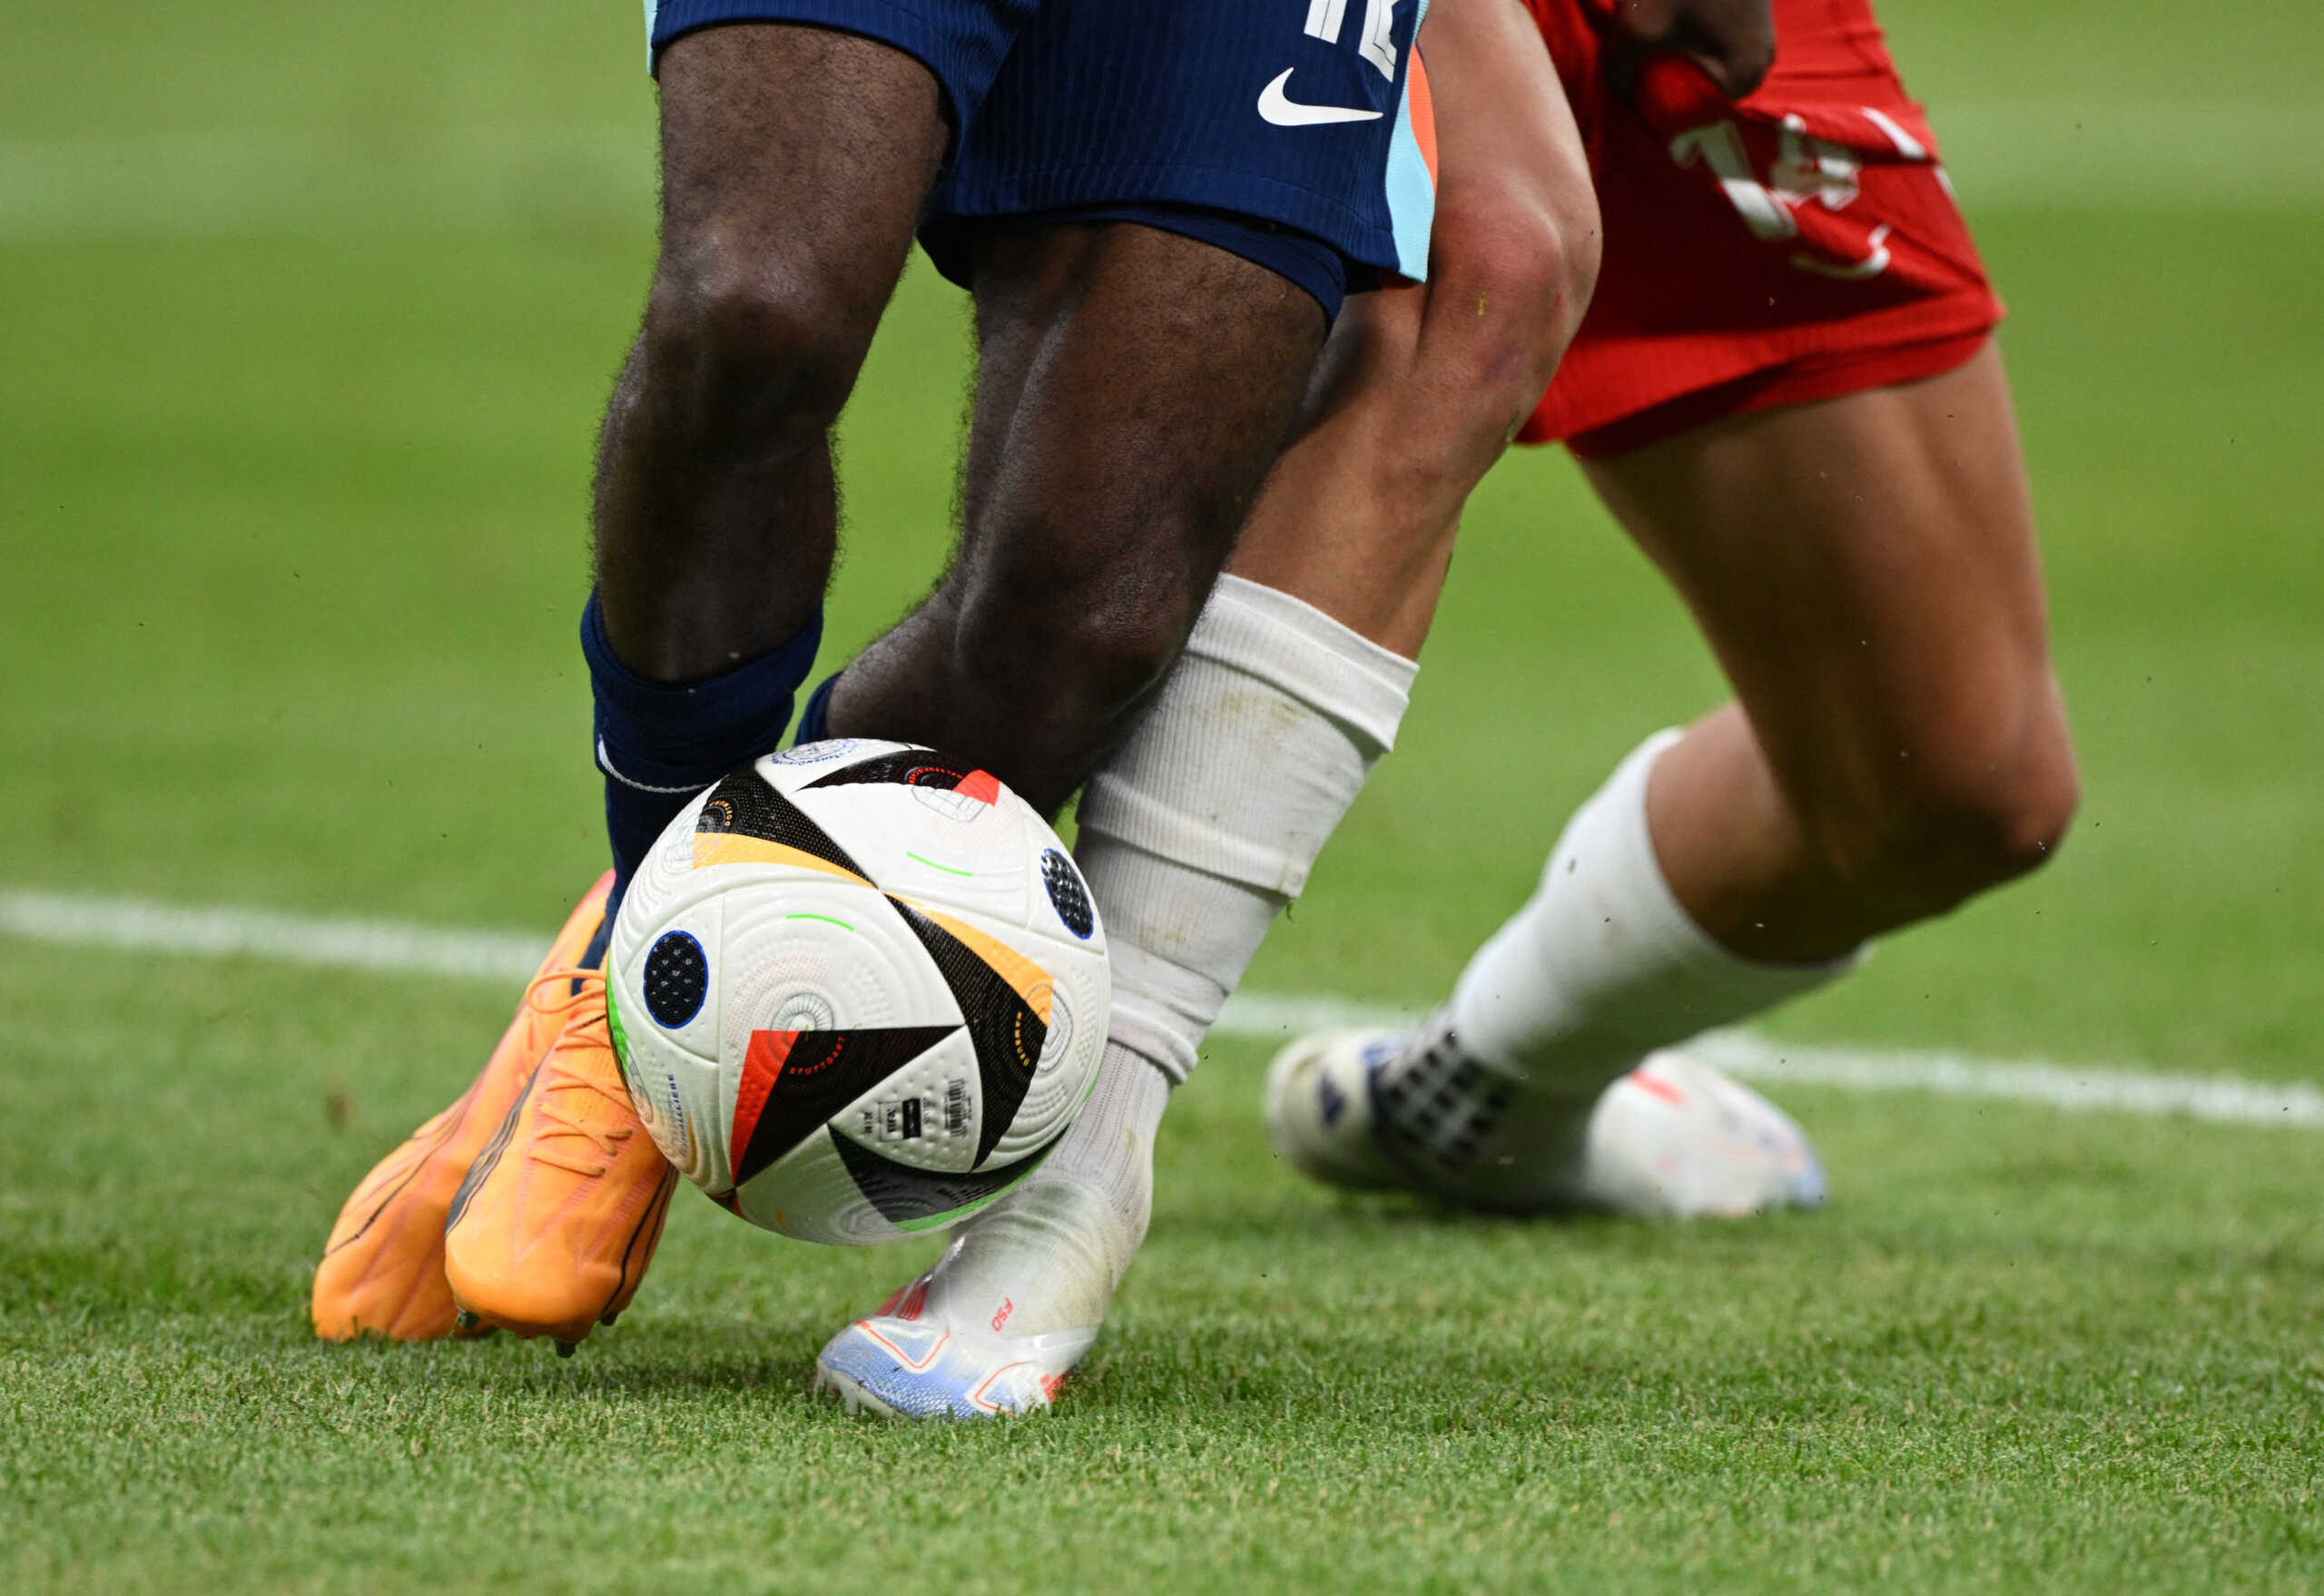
(134, 924)
(2169, 156)
(2076, 1087)
(137, 925)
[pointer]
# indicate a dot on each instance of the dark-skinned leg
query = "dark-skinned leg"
(1134, 389)
(794, 164)
(1201, 828)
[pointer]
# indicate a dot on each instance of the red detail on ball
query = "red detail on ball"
(1660, 1088)
(982, 786)
(762, 1066)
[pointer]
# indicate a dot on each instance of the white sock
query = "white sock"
(1600, 967)
(1195, 836)
(1048, 1255)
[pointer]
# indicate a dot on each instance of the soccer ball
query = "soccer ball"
(858, 990)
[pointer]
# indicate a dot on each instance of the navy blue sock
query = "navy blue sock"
(814, 721)
(658, 745)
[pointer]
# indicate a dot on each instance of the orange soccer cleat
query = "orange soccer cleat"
(382, 1271)
(552, 1229)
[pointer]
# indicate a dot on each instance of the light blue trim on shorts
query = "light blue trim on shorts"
(1411, 191)
(652, 6)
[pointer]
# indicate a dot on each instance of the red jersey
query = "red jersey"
(1799, 244)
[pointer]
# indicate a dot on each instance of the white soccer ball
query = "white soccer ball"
(858, 991)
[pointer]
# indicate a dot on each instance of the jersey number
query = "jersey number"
(1378, 42)
(1806, 168)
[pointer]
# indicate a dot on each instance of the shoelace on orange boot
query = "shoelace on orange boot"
(579, 985)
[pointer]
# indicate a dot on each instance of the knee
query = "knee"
(741, 341)
(1511, 270)
(1955, 814)
(1450, 373)
(1445, 374)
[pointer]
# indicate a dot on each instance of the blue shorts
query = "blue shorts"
(1282, 130)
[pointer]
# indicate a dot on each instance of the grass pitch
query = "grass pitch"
(294, 444)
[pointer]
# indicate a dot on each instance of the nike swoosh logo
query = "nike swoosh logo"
(1282, 110)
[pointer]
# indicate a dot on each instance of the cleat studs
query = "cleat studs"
(467, 1322)
(608, 1316)
(566, 1349)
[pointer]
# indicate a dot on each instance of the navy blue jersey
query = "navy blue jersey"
(1292, 115)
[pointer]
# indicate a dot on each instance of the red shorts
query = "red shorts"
(1799, 244)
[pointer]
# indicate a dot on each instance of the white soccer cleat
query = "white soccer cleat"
(1008, 1311)
(1675, 1138)
(913, 1359)
(1318, 1107)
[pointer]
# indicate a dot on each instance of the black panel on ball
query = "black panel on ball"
(1006, 1032)
(746, 806)
(902, 1194)
(910, 767)
(822, 1071)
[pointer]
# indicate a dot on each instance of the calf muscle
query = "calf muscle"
(1134, 387)
(1421, 387)
(794, 164)
(1865, 570)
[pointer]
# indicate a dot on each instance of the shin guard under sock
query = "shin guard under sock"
(1194, 836)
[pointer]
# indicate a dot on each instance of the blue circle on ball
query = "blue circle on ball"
(677, 979)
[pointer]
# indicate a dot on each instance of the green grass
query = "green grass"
(2020, 1352)
(293, 534)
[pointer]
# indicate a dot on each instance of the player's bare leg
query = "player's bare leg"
(1133, 388)
(795, 161)
(1199, 831)
(794, 164)
(1865, 570)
